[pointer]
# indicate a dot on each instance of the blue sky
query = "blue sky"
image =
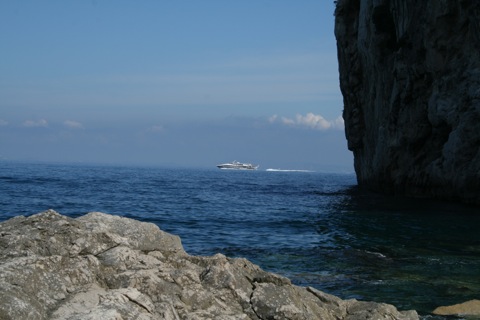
(189, 83)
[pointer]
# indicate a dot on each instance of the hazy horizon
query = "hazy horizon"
(188, 84)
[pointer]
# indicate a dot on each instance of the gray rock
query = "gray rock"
(410, 79)
(105, 267)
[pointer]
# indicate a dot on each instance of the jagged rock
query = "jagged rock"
(469, 308)
(101, 266)
(410, 79)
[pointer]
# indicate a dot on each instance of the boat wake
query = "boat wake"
(288, 170)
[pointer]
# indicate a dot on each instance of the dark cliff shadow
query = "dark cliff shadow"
(413, 253)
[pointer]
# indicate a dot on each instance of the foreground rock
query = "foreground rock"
(469, 308)
(105, 267)
(410, 79)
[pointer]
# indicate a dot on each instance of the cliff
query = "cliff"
(105, 267)
(410, 79)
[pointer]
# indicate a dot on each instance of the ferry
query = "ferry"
(235, 165)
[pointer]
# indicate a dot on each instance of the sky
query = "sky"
(171, 83)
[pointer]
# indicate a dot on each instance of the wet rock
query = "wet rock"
(101, 266)
(410, 79)
(469, 308)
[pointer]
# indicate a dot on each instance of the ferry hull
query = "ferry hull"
(237, 166)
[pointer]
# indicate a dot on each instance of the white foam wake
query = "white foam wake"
(288, 170)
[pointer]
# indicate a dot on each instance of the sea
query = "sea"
(318, 229)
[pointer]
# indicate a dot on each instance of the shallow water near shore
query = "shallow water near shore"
(318, 229)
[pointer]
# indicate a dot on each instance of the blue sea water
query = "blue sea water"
(318, 229)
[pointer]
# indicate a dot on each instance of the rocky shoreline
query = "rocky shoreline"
(100, 266)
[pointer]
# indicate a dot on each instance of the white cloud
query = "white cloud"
(288, 122)
(273, 118)
(37, 123)
(72, 124)
(310, 120)
(339, 123)
(314, 121)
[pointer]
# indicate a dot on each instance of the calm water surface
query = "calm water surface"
(318, 229)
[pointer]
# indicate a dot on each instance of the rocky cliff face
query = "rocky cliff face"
(410, 78)
(106, 267)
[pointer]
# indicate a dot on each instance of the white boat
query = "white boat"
(235, 165)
